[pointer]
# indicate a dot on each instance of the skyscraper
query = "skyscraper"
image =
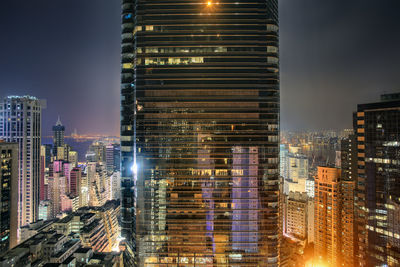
(20, 122)
(200, 131)
(8, 195)
(110, 157)
(75, 181)
(58, 136)
(327, 205)
(348, 164)
(377, 128)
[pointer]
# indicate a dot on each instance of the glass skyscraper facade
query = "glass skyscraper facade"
(377, 199)
(200, 132)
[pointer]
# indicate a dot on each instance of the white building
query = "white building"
(20, 122)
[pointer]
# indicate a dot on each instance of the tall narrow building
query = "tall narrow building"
(200, 132)
(348, 160)
(378, 183)
(58, 136)
(327, 216)
(20, 122)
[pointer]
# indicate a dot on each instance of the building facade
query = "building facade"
(327, 216)
(348, 165)
(20, 122)
(200, 132)
(8, 195)
(297, 215)
(378, 184)
(58, 137)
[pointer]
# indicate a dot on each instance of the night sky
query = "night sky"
(334, 55)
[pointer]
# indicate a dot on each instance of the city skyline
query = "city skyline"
(326, 53)
(190, 133)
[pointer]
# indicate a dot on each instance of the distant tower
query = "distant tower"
(58, 136)
(21, 120)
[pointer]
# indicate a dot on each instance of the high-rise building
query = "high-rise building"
(96, 152)
(297, 215)
(58, 136)
(63, 152)
(327, 216)
(117, 157)
(48, 152)
(20, 122)
(42, 181)
(199, 124)
(73, 157)
(110, 158)
(84, 192)
(377, 127)
(8, 195)
(283, 155)
(297, 167)
(115, 186)
(349, 160)
(55, 191)
(75, 181)
(98, 186)
(310, 221)
(67, 168)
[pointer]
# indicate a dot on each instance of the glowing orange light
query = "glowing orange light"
(209, 3)
(311, 263)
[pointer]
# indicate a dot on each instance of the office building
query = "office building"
(8, 195)
(20, 122)
(200, 132)
(377, 127)
(58, 137)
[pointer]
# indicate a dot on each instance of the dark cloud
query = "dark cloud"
(334, 55)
